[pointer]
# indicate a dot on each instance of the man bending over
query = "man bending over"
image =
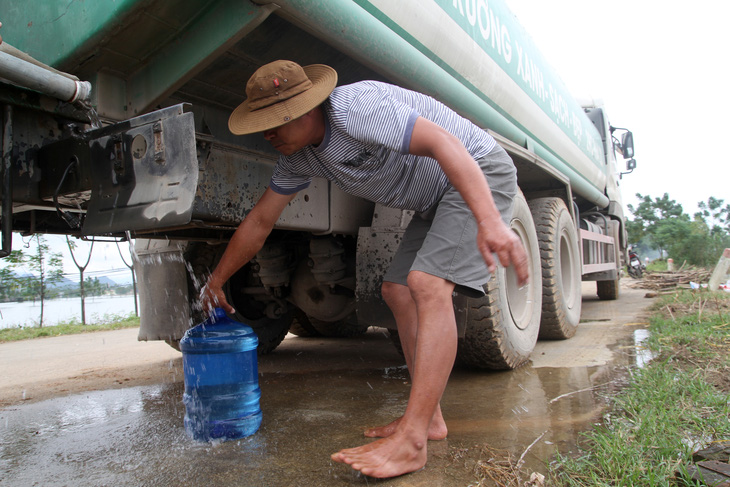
(404, 150)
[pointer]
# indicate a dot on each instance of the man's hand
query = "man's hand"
(248, 239)
(212, 296)
(498, 238)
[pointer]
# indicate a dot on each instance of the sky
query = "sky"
(659, 66)
(661, 69)
(105, 257)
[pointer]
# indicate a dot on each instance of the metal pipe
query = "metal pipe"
(38, 78)
(25, 98)
(7, 48)
(7, 183)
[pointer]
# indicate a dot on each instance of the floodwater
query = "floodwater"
(56, 311)
(318, 395)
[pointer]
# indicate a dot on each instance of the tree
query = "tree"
(10, 282)
(653, 219)
(47, 268)
(94, 286)
(661, 223)
(714, 214)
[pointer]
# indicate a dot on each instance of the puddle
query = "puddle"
(135, 436)
(317, 397)
(643, 354)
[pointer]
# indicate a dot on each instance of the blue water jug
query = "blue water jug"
(221, 379)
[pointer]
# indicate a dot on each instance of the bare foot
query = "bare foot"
(436, 431)
(395, 455)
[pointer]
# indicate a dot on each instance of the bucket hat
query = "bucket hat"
(280, 92)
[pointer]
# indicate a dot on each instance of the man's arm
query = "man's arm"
(429, 139)
(246, 242)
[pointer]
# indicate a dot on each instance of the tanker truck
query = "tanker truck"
(115, 127)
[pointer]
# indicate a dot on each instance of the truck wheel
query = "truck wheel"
(561, 276)
(609, 290)
(302, 327)
(256, 313)
(349, 327)
(249, 310)
(306, 327)
(502, 327)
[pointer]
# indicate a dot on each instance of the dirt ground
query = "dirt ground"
(43, 368)
(39, 369)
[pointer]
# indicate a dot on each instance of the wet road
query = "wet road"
(317, 397)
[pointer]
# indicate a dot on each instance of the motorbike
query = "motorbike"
(635, 267)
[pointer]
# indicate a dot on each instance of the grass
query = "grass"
(678, 403)
(658, 265)
(108, 322)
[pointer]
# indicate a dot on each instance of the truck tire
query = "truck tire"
(302, 327)
(349, 327)
(609, 290)
(561, 272)
(307, 327)
(502, 327)
(270, 331)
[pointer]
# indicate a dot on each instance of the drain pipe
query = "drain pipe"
(43, 79)
(6, 222)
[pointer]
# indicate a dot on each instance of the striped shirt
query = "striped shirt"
(365, 148)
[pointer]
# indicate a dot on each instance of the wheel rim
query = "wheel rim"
(518, 297)
(567, 270)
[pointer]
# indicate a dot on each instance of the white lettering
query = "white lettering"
(540, 86)
(459, 5)
(478, 14)
(577, 128)
(483, 13)
(527, 72)
(471, 13)
(506, 42)
(496, 39)
(535, 75)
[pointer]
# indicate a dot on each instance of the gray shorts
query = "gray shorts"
(442, 240)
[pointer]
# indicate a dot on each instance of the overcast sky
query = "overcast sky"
(105, 257)
(661, 68)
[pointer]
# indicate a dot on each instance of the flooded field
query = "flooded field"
(56, 311)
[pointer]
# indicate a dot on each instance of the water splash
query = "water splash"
(93, 118)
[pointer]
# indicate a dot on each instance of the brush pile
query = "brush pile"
(662, 281)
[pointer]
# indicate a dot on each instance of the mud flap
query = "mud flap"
(376, 246)
(163, 289)
(144, 175)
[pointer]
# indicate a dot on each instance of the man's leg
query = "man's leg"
(401, 303)
(405, 450)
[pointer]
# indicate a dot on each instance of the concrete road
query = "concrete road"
(104, 409)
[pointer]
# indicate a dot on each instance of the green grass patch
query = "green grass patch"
(108, 322)
(677, 404)
(658, 265)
